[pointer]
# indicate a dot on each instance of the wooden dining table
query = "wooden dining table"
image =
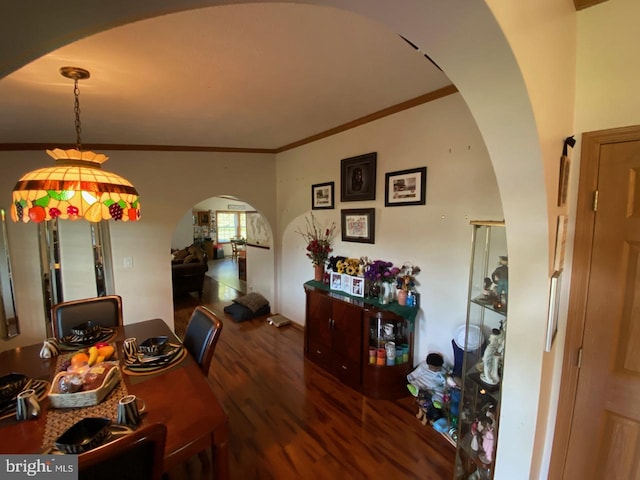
(179, 397)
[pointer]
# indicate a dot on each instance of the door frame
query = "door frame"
(580, 275)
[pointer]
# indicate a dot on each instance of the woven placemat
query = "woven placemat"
(60, 419)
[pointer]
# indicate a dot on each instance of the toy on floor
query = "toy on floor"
(430, 382)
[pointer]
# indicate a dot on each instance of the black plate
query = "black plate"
(151, 362)
(84, 435)
(86, 329)
(79, 341)
(153, 345)
(8, 409)
(11, 385)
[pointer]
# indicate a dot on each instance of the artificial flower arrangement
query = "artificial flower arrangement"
(381, 270)
(318, 240)
(405, 279)
(332, 263)
(350, 266)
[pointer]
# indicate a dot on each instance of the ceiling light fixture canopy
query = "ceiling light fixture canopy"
(77, 186)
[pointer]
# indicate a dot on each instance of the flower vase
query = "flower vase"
(318, 273)
(386, 293)
(402, 296)
(374, 289)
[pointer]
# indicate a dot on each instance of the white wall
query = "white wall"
(607, 69)
(165, 196)
(183, 234)
(461, 186)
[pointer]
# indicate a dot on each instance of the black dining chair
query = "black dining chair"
(107, 311)
(201, 336)
(135, 456)
(200, 339)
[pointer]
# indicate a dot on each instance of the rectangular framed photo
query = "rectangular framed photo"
(322, 196)
(335, 282)
(358, 178)
(357, 287)
(346, 283)
(204, 218)
(358, 225)
(554, 306)
(406, 187)
(563, 180)
(561, 242)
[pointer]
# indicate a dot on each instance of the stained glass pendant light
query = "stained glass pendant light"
(77, 186)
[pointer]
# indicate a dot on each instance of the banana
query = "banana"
(93, 355)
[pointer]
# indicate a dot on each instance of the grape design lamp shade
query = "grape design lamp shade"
(76, 187)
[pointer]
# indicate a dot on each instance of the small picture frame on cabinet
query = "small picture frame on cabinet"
(346, 283)
(335, 282)
(357, 287)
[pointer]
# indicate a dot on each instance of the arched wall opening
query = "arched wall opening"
(467, 42)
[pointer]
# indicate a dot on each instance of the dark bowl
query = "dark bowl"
(86, 329)
(11, 385)
(84, 435)
(153, 345)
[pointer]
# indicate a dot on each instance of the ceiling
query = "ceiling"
(242, 76)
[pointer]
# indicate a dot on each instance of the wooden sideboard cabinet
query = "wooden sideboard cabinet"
(341, 332)
(333, 336)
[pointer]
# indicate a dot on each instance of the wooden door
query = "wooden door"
(604, 436)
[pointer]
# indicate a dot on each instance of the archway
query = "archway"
(466, 41)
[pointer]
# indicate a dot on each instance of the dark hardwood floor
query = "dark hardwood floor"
(291, 420)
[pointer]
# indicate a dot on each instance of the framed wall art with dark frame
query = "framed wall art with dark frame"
(358, 225)
(406, 187)
(322, 195)
(358, 178)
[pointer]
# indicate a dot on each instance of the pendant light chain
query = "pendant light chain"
(76, 109)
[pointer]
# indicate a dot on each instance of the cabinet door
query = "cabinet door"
(346, 344)
(319, 313)
(347, 331)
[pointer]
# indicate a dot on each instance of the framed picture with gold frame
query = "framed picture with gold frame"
(204, 218)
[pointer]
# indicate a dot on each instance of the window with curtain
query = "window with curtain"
(230, 225)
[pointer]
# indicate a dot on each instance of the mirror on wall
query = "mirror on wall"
(9, 326)
(75, 260)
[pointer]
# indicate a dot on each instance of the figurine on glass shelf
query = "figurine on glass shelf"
(500, 278)
(492, 357)
(488, 440)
